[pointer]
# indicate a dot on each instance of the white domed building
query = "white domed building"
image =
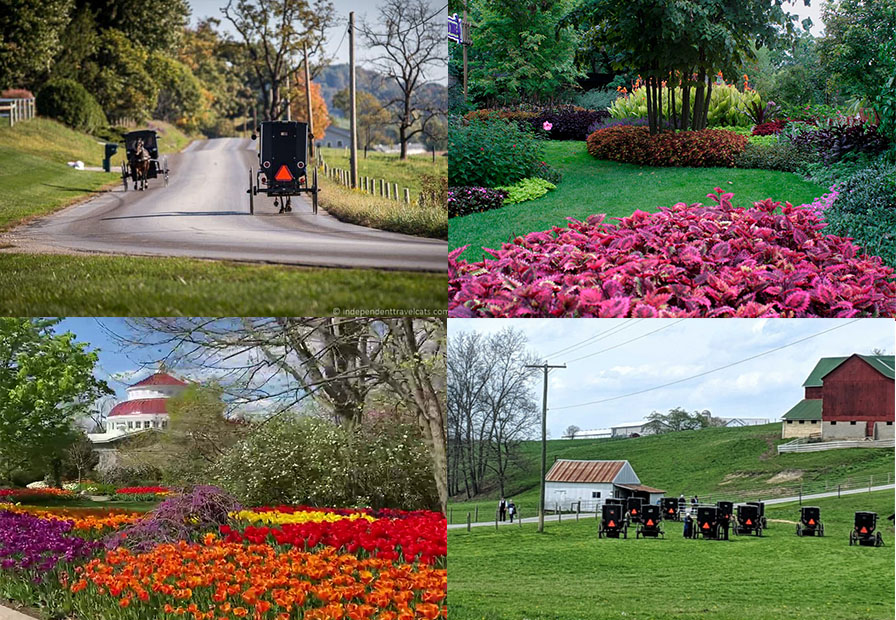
(145, 409)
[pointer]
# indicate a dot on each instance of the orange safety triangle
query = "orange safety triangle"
(749, 522)
(611, 523)
(649, 521)
(811, 521)
(706, 526)
(283, 174)
(863, 531)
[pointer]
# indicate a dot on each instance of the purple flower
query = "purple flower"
(29, 543)
(547, 126)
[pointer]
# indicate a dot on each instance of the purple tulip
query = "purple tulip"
(29, 543)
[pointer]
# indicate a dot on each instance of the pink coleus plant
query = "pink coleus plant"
(684, 261)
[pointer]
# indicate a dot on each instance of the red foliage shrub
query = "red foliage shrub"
(770, 128)
(689, 261)
(698, 149)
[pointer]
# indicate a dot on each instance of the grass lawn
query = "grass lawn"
(388, 166)
(709, 461)
(569, 574)
(363, 209)
(83, 502)
(50, 285)
(592, 186)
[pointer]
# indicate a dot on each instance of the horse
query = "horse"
(140, 165)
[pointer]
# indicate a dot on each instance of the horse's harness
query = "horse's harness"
(140, 152)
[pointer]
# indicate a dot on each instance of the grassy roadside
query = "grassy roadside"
(592, 186)
(567, 573)
(50, 285)
(365, 210)
(388, 166)
(34, 177)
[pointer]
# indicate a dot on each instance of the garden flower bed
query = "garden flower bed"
(307, 562)
(687, 260)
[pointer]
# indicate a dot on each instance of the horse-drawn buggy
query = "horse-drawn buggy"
(724, 513)
(142, 163)
(762, 519)
(612, 521)
(863, 530)
(633, 506)
(284, 169)
(670, 509)
(651, 520)
(810, 522)
(749, 520)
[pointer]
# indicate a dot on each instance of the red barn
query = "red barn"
(846, 398)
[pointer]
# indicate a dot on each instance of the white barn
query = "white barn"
(592, 482)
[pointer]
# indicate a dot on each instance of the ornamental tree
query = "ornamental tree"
(46, 383)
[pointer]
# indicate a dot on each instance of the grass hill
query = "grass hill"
(34, 177)
(703, 462)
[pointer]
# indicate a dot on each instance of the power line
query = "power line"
(616, 346)
(598, 336)
(707, 372)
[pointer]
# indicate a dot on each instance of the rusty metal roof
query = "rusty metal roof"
(640, 487)
(584, 471)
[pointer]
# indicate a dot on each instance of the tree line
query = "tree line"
(492, 408)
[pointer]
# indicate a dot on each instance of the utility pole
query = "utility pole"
(308, 100)
(288, 111)
(351, 94)
(544, 440)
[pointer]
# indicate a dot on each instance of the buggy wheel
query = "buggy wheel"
(759, 531)
(600, 533)
(820, 529)
(251, 194)
(879, 541)
(314, 194)
(798, 530)
(852, 538)
(124, 175)
(625, 532)
(165, 160)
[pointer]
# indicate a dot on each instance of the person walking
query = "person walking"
(511, 508)
(502, 509)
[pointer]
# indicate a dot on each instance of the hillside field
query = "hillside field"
(567, 573)
(708, 461)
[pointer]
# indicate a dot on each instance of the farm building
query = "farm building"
(597, 433)
(845, 398)
(630, 429)
(591, 482)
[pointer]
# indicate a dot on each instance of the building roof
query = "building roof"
(159, 378)
(140, 405)
(881, 363)
(629, 424)
(565, 470)
(640, 487)
(806, 409)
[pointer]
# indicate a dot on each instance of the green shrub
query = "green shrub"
(526, 189)
(834, 173)
(597, 98)
(745, 130)
(70, 103)
(773, 156)
(491, 152)
(302, 460)
(726, 104)
(762, 140)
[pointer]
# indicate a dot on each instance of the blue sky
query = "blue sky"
(764, 388)
(336, 44)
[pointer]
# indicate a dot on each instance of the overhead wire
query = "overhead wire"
(598, 336)
(707, 372)
(616, 346)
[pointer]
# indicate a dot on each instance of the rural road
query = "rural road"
(204, 213)
(591, 515)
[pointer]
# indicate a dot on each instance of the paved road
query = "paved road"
(591, 515)
(204, 213)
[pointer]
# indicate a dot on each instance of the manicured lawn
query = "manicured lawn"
(592, 186)
(38, 285)
(718, 461)
(388, 166)
(569, 574)
(87, 503)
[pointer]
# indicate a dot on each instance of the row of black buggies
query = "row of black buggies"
(715, 522)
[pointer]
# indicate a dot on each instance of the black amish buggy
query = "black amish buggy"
(748, 520)
(707, 523)
(651, 519)
(670, 509)
(157, 168)
(633, 507)
(761, 506)
(612, 521)
(810, 522)
(725, 511)
(283, 165)
(863, 530)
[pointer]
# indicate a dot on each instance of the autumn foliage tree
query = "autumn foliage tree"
(298, 105)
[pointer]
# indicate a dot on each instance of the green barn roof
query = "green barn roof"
(881, 363)
(806, 409)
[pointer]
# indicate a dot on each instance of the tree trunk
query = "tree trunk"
(685, 100)
(651, 113)
(698, 99)
(658, 86)
(706, 104)
(433, 431)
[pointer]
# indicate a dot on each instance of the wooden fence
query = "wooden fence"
(800, 445)
(17, 110)
(368, 185)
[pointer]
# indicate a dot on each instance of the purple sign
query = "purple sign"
(455, 32)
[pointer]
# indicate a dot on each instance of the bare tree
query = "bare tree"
(468, 376)
(572, 430)
(273, 32)
(409, 41)
(80, 455)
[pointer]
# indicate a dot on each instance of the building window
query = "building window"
(802, 421)
(790, 421)
(833, 424)
(164, 423)
(147, 424)
(130, 425)
(852, 423)
(814, 421)
(595, 494)
(889, 424)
